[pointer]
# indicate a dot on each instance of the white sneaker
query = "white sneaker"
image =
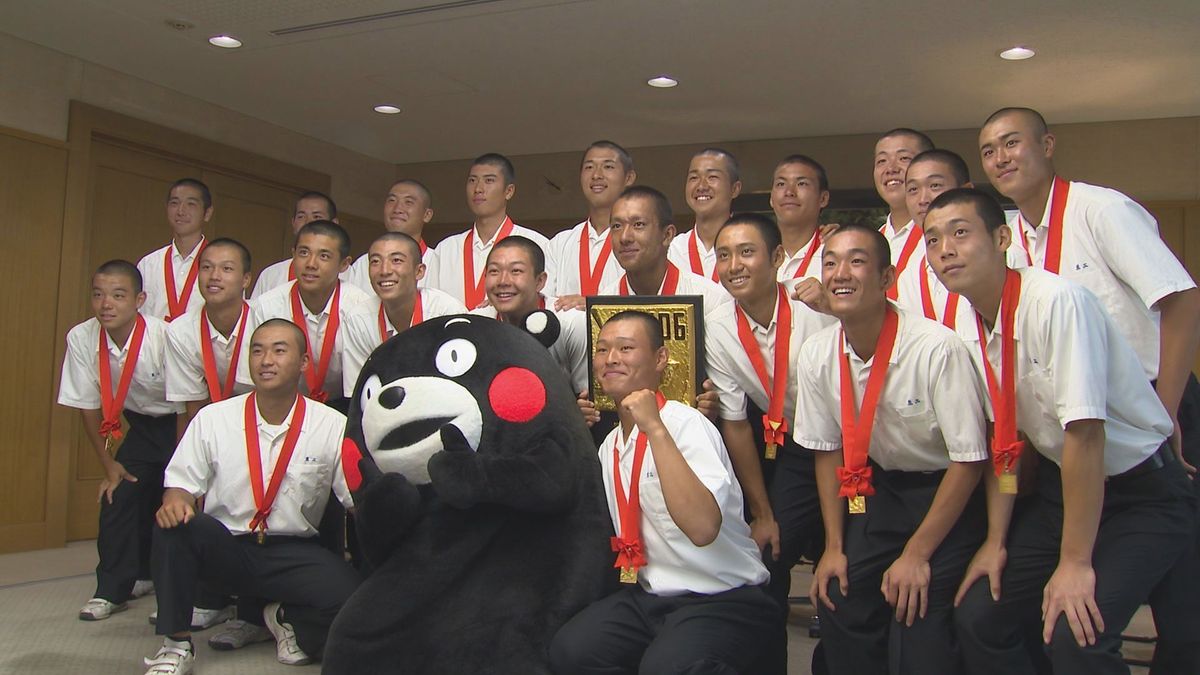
(202, 619)
(171, 660)
(286, 649)
(98, 609)
(238, 634)
(142, 588)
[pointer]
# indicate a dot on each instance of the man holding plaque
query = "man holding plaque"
(891, 403)
(693, 599)
(1112, 510)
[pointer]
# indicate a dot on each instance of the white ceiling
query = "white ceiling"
(532, 76)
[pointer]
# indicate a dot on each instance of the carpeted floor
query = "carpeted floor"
(41, 593)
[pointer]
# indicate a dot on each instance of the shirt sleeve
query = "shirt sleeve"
(702, 448)
(1076, 348)
(80, 384)
(1122, 226)
(355, 351)
(720, 370)
(185, 376)
(818, 424)
(574, 344)
(958, 402)
(190, 467)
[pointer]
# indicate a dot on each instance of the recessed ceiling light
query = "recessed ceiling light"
(662, 82)
(1017, 53)
(387, 109)
(226, 41)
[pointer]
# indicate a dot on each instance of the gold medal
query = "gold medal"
(858, 505)
(770, 451)
(629, 575)
(108, 444)
(262, 537)
(1008, 483)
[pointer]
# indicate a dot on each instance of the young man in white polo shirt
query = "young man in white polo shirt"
(398, 301)
(114, 365)
(321, 304)
(799, 190)
(752, 345)
(893, 151)
(1112, 510)
(1106, 242)
(515, 278)
(890, 402)
(582, 270)
(310, 206)
(265, 463)
(694, 598)
(407, 209)
(462, 257)
(169, 273)
(713, 182)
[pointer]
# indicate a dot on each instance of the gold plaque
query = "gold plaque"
(629, 575)
(682, 321)
(1008, 483)
(858, 505)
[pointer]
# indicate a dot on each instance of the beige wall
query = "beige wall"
(1152, 160)
(37, 84)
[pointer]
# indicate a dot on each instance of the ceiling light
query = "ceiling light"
(1017, 53)
(226, 41)
(387, 109)
(662, 82)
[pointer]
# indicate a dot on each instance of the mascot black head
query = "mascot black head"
(474, 477)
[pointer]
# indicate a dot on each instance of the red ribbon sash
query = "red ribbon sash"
(291, 271)
(217, 392)
(670, 282)
(418, 315)
(264, 501)
(910, 245)
(112, 405)
(315, 375)
(472, 285)
(589, 276)
(802, 270)
(855, 475)
(628, 542)
(949, 317)
(177, 305)
(1006, 446)
(1058, 206)
(423, 246)
(774, 424)
(694, 257)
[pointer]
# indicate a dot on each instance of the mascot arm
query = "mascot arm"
(538, 480)
(386, 508)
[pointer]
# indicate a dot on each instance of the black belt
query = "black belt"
(1163, 456)
(270, 539)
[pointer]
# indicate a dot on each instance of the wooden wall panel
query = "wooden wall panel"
(32, 185)
(362, 232)
(1179, 225)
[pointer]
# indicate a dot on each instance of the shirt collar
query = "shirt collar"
(176, 254)
(895, 357)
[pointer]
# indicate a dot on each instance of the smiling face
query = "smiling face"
(892, 155)
(394, 267)
(796, 195)
(115, 303)
(513, 286)
(222, 277)
(185, 210)
(602, 177)
(922, 182)
(407, 210)
(963, 254)
(317, 262)
(277, 357)
(1017, 155)
(625, 361)
(856, 274)
(710, 188)
(746, 267)
(639, 241)
(487, 193)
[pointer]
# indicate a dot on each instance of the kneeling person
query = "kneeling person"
(891, 403)
(696, 582)
(264, 495)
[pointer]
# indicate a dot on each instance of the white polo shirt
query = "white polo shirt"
(674, 565)
(714, 294)
(730, 368)
(363, 336)
(929, 414)
(570, 349)
(1073, 364)
(80, 385)
(359, 272)
(186, 380)
(1111, 246)
(564, 249)
(277, 304)
(152, 266)
(449, 268)
(897, 237)
(680, 254)
(211, 461)
(791, 264)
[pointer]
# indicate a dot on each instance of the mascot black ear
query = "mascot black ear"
(543, 326)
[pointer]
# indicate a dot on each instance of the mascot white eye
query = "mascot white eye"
(455, 357)
(370, 390)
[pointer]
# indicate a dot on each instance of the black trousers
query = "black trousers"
(1176, 600)
(123, 542)
(1146, 522)
(632, 631)
(862, 636)
(311, 582)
